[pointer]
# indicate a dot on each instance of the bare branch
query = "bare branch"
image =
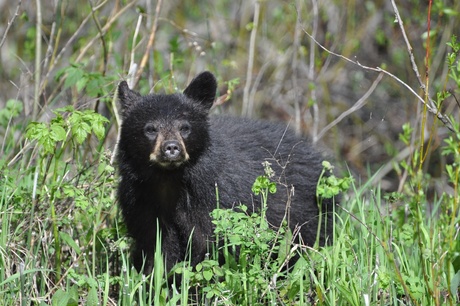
(101, 36)
(38, 55)
(409, 47)
(430, 107)
(10, 23)
(150, 42)
(248, 104)
(311, 70)
(360, 103)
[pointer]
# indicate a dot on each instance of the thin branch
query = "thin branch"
(311, 71)
(409, 47)
(431, 108)
(101, 35)
(10, 23)
(132, 64)
(55, 58)
(294, 71)
(248, 105)
(150, 42)
(104, 29)
(360, 103)
(38, 55)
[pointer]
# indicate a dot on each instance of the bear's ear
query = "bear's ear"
(202, 89)
(127, 97)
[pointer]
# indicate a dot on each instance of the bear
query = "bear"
(173, 155)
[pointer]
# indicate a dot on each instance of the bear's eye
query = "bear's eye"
(185, 129)
(150, 129)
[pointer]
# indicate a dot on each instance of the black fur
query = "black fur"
(178, 187)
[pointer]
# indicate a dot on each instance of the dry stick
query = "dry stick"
(150, 42)
(50, 49)
(54, 39)
(132, 64)
(258, 80)
(409, 47)
(360, 103)
(38, 55)
(432, 109)
(101, 36)
(311, 71)
(294, 71)
(56, 58)
(10, 23)
(69, 42)
(130, 80)
(425, 91)
(248, 105)
(104, 29)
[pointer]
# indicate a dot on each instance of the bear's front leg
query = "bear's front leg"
(144, 250)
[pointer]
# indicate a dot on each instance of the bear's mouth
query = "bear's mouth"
(167, 162)
(170, 164)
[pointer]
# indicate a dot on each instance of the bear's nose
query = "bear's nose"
(171, 149)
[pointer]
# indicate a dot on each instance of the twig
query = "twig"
(132, 63)
(50, 50)
(311, 71)
(10, 23)
(360, 103)
(55, 58)
(38, 55)
(248, 105)
(409, 47)
(294, 71)
(432, 105)
(431, 108)
(101, 35)
(150, 42)
(104, 29)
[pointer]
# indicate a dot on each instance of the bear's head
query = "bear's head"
(166, 131)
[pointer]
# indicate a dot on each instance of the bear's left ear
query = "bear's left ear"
(202, 89)
(127, 97)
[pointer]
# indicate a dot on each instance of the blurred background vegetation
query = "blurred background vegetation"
(86, 47)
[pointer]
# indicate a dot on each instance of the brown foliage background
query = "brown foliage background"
(283, 74)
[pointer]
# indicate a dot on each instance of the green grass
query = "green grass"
(62, 243)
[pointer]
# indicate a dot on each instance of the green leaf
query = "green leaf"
(60, 298)
(57, 133)
(35, 130)
(92, 299)
(99, 130)
(450, 12)
(81, 83)
(14, 106)
(455, 283)
(74, 75)
(66, 237)
(272, 187)
(207, 274)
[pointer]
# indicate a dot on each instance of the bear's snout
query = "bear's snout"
(171, 150)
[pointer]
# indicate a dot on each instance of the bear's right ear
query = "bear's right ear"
(128, 98)
(202, 89)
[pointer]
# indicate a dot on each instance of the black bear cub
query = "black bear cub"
(172, 155)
